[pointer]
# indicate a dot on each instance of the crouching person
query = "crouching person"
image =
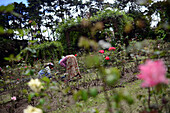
(46, 71)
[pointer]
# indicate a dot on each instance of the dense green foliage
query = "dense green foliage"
(46, 50)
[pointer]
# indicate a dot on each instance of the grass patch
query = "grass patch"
(99, 103)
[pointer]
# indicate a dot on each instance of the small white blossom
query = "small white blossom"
(31, 109)
(13, 98)
(35, 85)
(103, 44)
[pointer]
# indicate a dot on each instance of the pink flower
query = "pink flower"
(25, 66)
(153, 73)
(17, 78)
(111, 48)
(107, 58)
(13, 98)
(75, 55)
(101, 51)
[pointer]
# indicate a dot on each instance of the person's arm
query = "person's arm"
(63, 62)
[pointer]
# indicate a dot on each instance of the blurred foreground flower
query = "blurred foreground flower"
(101, 51)
(104, 45)
(75, 55)
(35, 85)
(153, 73)
(13, 98)
(31, 109)
(107, 58)
(111, 48)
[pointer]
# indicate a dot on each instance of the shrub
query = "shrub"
(45, 50)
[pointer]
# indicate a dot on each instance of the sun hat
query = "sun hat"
(50, 64)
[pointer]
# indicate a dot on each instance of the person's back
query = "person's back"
(71, 65)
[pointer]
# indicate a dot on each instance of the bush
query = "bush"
(46, 50)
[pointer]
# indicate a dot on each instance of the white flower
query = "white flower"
(35, 85)
(13, 98)
(103, 44)
(31, 109)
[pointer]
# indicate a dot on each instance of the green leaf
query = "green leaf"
(84, 95)
(27, 72)
(84, 42)
(93, 92)
(46, 79)
(33, 51)
(76, 95)
(79, 104)
(33, 41)
(92, 61)
(44, 31)
(129, 100)
(33, 23)
(6, 58)
(30, 96)
(113, 75)
(117, 98)
(66, 90)
(11, 56)
(139, 97)
(24, 91)
(1, 30)
(42, 101)
(16, 14)
(18, 57)
(38, 32)
(32, 72)
(111, 79)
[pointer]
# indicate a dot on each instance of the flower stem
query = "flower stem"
(155, 98)
(149, 95)
(109, 106)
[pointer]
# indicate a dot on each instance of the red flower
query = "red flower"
(101, 51)
(111, 48)
(75, 55)
(17, 78)
(107, 58)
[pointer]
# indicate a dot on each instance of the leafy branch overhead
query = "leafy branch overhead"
(110, 18)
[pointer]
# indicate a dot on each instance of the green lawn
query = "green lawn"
(99, 103)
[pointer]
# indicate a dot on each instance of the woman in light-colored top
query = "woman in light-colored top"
(71, 65)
